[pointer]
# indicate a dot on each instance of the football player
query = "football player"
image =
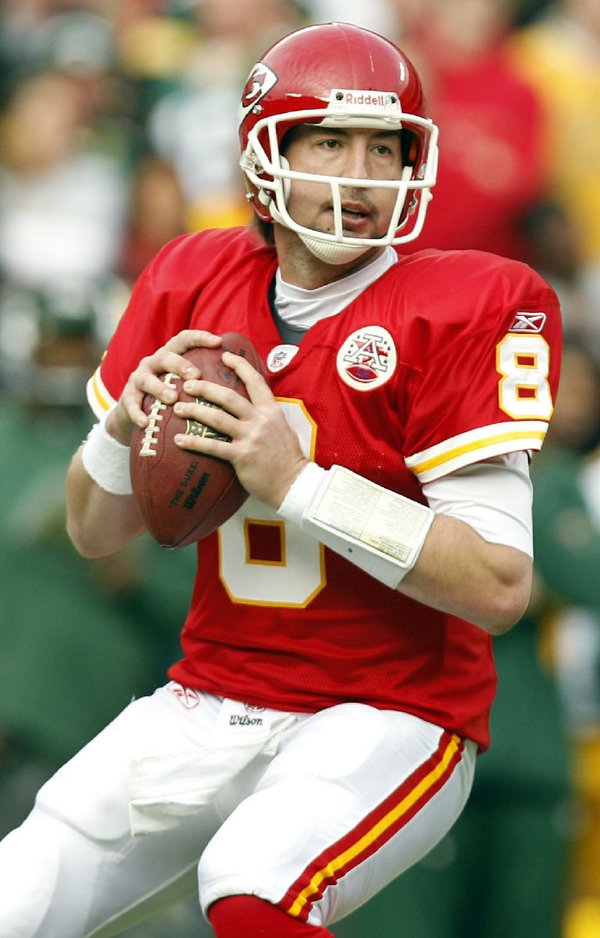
(319, 733)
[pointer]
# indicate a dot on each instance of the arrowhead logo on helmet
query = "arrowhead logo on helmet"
(260, 81)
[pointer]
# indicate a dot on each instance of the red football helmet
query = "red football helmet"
(336, 75)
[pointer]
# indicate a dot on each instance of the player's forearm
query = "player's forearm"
(98, 522)
(461, 574)
(435, 559)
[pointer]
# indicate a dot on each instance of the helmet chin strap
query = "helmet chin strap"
(332, 253)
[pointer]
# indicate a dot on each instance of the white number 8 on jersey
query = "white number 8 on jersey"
(524, 363)
(294, 571)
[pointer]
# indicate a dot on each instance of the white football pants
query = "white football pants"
(312, 812)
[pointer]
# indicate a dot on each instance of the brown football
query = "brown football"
(183, 496)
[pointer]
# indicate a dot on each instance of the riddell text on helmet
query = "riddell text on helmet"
(366, 97)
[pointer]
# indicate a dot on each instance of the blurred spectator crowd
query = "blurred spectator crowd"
(118, 133)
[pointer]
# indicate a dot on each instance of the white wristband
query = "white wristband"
(302, 492)
(106, 460)
(375, 529)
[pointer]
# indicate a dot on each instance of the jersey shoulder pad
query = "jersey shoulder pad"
(194, 258)
(449, 295)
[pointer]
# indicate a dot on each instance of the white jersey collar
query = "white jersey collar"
(303, 308)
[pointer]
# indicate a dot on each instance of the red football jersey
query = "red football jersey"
(447, 359)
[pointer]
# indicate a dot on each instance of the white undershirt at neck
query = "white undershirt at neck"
(303, 308)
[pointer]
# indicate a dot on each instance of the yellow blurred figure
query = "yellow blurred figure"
(560, 55)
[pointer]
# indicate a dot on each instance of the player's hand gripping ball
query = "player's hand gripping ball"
(184, 496)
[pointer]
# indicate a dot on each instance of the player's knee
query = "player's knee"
(28, 876)
(251, 917)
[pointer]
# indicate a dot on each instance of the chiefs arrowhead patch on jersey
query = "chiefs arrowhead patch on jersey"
(367, 358)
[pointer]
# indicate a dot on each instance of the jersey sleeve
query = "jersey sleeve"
(105, 385)
(487, 375)
(159, 307)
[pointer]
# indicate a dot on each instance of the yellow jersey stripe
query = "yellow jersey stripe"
(458, 451)
(98, 393)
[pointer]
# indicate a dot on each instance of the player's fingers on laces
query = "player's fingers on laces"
(131, 399)
(145, 380)
(148, 376)
(169, 359)
(165, 361)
